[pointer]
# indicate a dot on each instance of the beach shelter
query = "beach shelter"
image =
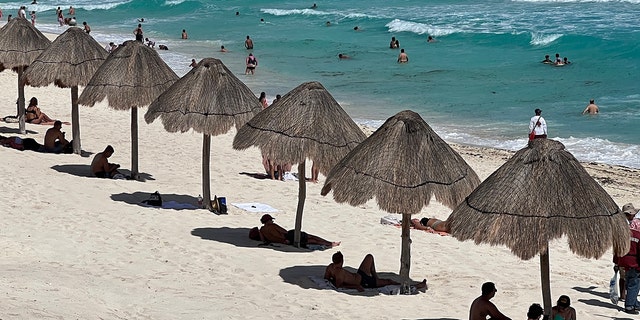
(307, 122)
(132, 76)
(20, 44)
(403, 165)
(540, 194)
(70, 61)
(208, 99)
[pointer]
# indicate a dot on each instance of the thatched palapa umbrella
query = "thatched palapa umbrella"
(70, 61)
(133, 76)
(403, 164)
(208, 99)
(540, 194)
(305, 123)
(20, 44)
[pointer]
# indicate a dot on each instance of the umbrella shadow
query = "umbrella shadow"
(15, 130)
(256, 175)
(591, 291)
(142, 176)
(239, 237)
(602, 304)
(79, 170)
(137, 197)
(299, 275)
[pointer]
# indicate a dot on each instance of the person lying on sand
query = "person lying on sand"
(366, 277)
(433, 223)
(100, 166)
(271, 232)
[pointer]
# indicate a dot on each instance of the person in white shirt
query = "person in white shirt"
(538, 125)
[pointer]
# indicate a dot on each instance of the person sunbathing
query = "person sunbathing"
(431, 224)
(366, 277)
(271, 232)
(34, 115)
(100, 166)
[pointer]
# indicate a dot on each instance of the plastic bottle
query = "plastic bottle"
(200, 201)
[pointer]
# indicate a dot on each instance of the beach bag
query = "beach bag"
(219, 205)
(613, 288)
(532, 135)
(254, 234)
(154, 200)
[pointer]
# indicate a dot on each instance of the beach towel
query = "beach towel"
(255, 207)
(323, 283)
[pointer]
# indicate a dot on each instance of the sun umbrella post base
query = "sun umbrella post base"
(405, 254)
(546, 283)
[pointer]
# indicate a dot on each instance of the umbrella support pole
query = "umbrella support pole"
(134, 143)
(206, 188)
(405, 255)
(21, 112)
(75, 120)
(302, 195)
(546, 284)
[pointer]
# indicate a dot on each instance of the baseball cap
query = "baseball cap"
(266, 218)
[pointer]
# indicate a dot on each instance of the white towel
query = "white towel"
(255, 207)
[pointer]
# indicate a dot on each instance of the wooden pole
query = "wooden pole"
(405, 256)
(134, 143)
(75, 120)
(206, 188)
(20, 105)
(546, 283)
(302, 195)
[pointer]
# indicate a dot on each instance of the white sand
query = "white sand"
(74, 247)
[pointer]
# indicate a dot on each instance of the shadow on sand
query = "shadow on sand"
(299, 275)
(83, 170)
(137, 197)
(15, 130)
(597, 302)
(239, 237)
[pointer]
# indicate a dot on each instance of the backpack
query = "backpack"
(154, 200)
(219, 205)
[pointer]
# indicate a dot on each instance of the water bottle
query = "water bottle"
(200, 201)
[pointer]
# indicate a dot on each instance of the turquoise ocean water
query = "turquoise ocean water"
(477, 84)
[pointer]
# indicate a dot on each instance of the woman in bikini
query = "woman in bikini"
(35, 116)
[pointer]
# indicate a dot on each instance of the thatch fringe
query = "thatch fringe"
(540, 194)
(307, 122)
(403, 164)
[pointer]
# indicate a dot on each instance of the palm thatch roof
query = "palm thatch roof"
(402, 164)
(70, 61)
(20, 44)
(132, 76)
(305, 123)
(208, 99)
(540, 194)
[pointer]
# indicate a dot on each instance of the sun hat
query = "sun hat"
(266, 218)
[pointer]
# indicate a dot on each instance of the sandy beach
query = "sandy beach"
(76, 247)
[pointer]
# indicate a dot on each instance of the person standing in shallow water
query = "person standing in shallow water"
(538, 125)
(138, 32)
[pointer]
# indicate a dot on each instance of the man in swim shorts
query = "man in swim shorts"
(366, 277)
(100, 166)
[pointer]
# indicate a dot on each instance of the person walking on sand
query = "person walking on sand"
(184, 34)
(591, 108)
(537, 125)
(402, 57)
(481, 307)
(248, 43)
(33, 18)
